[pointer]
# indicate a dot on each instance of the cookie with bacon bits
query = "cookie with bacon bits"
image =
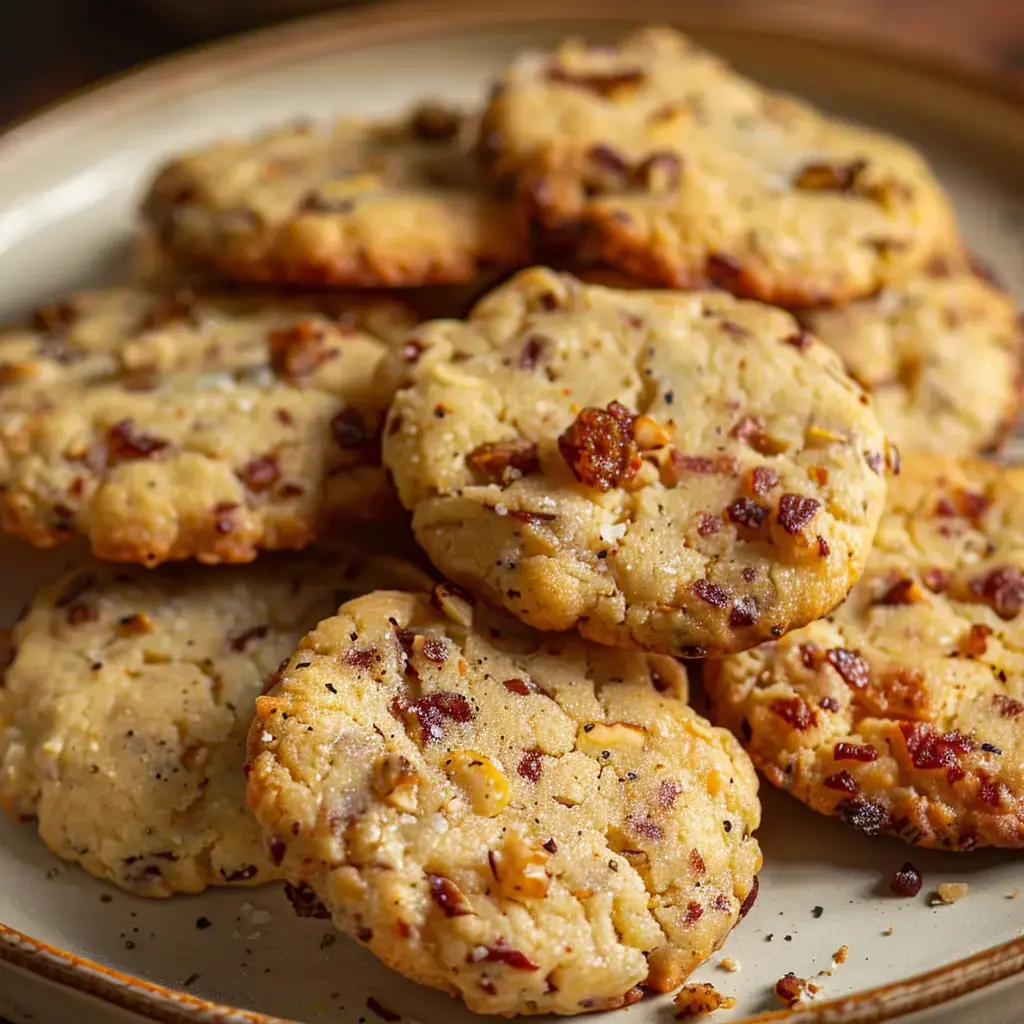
(654, 156)
(530, 822)
(941, 357)
(365, 203)
(903, 712)
(172, 425)
(125, 710)
(682, 473)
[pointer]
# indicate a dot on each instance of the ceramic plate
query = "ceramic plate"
(69, 183)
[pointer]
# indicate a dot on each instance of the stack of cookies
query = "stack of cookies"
(484, 764)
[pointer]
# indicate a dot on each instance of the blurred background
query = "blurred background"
(50, 47)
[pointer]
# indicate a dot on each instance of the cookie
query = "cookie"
(903, 712)
(124, 714)
(941, 357)
(529, 822)
(682, 473)
(654, 156)
(361, 202)
(171, 426)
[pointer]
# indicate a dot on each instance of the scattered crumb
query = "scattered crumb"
(888, 931)
(1013, 895)
(106, 898)
(769, 937)
(839, 956)
(790, 989)
(382, 1011)
(190, 980)
(698, 998)
(817, 911)
(203, 923)
(260, 917)
(327, 939)
(950, 892)
(728, 964)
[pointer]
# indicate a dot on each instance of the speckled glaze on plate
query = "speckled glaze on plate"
(75, 949)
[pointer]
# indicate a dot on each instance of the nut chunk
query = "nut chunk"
(599, 447)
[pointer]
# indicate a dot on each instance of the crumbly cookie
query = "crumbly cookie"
(655, 157)
(170, 426)
(941, 357)
(683, 473)
(903, 712)
(530, 822)
(124, 714)
(366, 203)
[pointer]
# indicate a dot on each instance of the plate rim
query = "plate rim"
(223, 60)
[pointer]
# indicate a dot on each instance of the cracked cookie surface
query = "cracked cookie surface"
(654, 156)
(683, 473)
(165, 426)
(941, 358)
(903, 712)
(387, 203)
(125, 710)
(528, 821)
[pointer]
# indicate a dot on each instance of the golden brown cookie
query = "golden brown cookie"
(361, 202)
(903, 711)
(683, 473)
(165, 426)
(941, 357)
(654, 156)
(124, 714)
(530, 822)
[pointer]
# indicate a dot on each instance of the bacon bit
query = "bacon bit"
(829, 703)
(963, 504)
(796, 511)
(359, 657)
(1008, 707)
(500, 953)
(260, 474)
(433, 709)
(790, 989)
(794, 712)
(707, 524)
(599, 447)
(524, 687)
(751, 898)
(694, 912)
(715, 465)
(974, 642)
(304, 901)
(902, 591)
(605, 85)
(299, 349)
(349, 430)
(843, 781)
(645, 827)
(853, 669)
(667, 793)
(812, 656)
(531, 351)
(504, 461)
(990, 792)
(751, 431)
(747, 513)
(823, 549)
(721, 903)
(800, 340)
(711, 593)
(284, 417)
(931, 751)
(853, 752)
(531, 765)
(1002, 590)
(936, 580)
(699, 998)
(661, 172)
(829, 177)
(697, 864)
(763, 479)
(247, 639)
(124, 444)
(744, 612)
(448, 896)
(906, 881)
(435, 650)
(434, 122)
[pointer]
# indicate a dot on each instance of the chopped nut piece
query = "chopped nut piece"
(839, 956)
(650, 434)
(599, 447)
(449, 897)
(790, 989)
(951, 892)
(728, 964)
(481, 779)
(504, 461)
(596, 737)
(396, 781)
(521, 869)
(451, 600)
